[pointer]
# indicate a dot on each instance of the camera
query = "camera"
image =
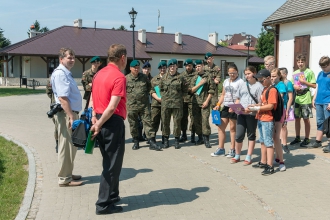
(54, 108)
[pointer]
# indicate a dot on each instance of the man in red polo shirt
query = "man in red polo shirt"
(109, 113)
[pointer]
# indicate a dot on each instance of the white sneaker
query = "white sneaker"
(282, 167)
(231, 154)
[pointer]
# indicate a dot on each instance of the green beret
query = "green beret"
(207, 55)
(161, 64)
(172, 62)
(188, 61)
(198, 62)
(134, 63)
(96, 58)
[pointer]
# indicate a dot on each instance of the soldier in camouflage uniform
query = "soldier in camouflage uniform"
(187, 103)
(215, 73)
(88, 75)
(172, 89)
(50, 94)
(156, 100)
(201, 103)
(146, 69)
(138, 89)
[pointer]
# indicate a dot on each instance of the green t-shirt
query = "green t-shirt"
(306, 98)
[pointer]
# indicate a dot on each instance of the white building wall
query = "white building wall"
(317, 28)
(38, 68)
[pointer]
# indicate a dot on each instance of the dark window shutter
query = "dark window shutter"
(301, 46)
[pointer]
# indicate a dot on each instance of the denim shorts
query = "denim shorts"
(266, 129)
(321, 114)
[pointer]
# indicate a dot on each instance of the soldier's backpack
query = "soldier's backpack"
(278, 112)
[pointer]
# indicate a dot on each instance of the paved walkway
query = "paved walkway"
(172, 184)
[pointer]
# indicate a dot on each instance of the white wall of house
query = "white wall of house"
(320, 42)
(156, 58)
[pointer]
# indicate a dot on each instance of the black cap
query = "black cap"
(262, 73)
(146, 65)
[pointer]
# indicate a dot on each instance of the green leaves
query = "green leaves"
(265, 44)
(4, 42)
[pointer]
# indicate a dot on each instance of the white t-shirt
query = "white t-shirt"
(231, 90)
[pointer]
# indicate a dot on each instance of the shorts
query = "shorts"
(266, 130)
(321, 114)
(303, 111)
(224, 113)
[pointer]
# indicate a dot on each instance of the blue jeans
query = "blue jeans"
(266, 130)
(321, 114)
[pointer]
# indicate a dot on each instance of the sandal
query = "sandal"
(233, 160)
(247, 162)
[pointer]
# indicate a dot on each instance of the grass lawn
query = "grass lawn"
(13, 178)
(19, 91)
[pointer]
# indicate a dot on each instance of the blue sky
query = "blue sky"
(194, 17)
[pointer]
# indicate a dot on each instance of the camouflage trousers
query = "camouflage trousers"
(187, 111)
(166, 119)
(144, 114)
(215, 97)
(156, 116)
(55, 131)
(201, 119)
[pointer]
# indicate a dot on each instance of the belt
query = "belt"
(114, 115)
(76, 112)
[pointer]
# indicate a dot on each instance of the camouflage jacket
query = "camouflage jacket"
(187, 98)
(87, 78)
(49, 91)
(172, 90)
(214, 71)
(155, 82)
(208, 88)
(138, 90)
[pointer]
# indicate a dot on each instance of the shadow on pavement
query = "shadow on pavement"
(172, 196)
(126, 173)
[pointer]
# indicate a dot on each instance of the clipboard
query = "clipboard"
(157, 90)
(237, 108)
(199, 90)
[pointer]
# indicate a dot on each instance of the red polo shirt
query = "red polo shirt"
(108, 82)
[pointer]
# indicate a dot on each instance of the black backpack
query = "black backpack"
(278, 112)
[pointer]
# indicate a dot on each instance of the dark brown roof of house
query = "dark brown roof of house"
(237, 38)
(256, 60)
(88, 42)
(293, 10)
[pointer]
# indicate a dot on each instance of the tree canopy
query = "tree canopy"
(4, 42)
(265, 44)
(38, 28)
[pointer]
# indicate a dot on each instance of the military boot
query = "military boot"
(183, 136)
(207, 141)
(153, 145)
(192, 137)
(136, 144)
(162, 139)
(166, 142)
(176, 143)
(200, 140)
(56, 147)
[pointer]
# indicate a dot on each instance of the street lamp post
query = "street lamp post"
(133, 14)
(248, 44)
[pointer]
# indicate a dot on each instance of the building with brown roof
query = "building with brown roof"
(37, 56)
(300, 26)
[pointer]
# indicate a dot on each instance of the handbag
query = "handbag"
(79, 136)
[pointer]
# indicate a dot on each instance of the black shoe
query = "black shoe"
(136, 144)
(176, 143)
(183, 138)
(326, 149)
(207, 141)
(56, 147)
(153, 145)
(111, 209)
(268, 170)
(200, 140)
(259, 165)
(115, 200)
(295, 141)
(162, 139)
(306, 143)
(192, 138)
(166, 142)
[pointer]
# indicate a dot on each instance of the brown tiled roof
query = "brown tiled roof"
(256, 60)
(293, 10)
(88, 42)
(237, 38)
(240, 47)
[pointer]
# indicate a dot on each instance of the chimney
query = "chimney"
(226, 37)
(178, 38)
(33, 31)
(142, 36)
(213, 38)
(243, 34)
(77, 23)
(160, 29)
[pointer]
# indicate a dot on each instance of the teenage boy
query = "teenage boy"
(303, 101)
(266, 122)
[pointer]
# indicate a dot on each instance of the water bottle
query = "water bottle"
(89, 143)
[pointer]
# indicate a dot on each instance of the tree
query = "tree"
(122, 27)
(4, 42)
(223, 43)
(37, 28)
(265, 44)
